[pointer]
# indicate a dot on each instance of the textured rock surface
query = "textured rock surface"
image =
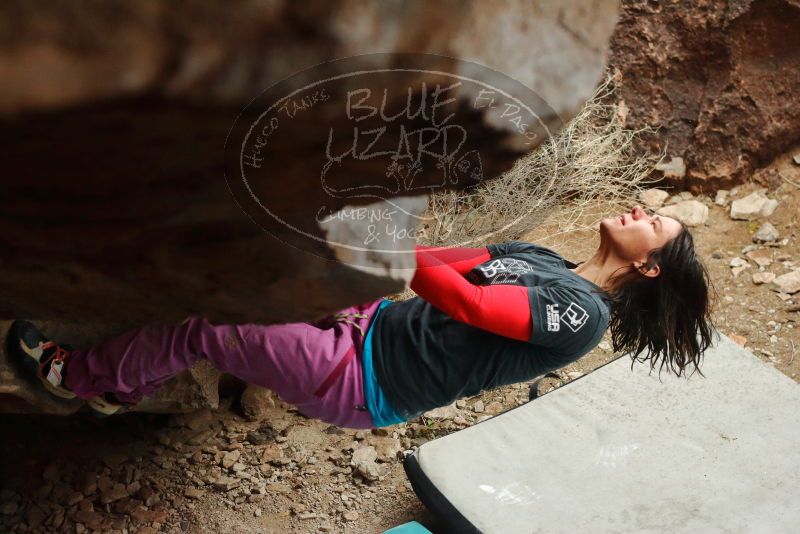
(256, 402)
(115, 203)
(718, 78)
(115, 116)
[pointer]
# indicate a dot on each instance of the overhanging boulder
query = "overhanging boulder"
(115, 206)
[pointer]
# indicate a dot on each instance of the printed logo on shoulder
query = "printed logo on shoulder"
(574, 317)
(505, 270)
(552, 318)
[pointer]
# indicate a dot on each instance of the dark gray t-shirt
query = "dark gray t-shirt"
(424, 358)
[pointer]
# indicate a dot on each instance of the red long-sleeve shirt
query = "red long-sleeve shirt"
(500, 309)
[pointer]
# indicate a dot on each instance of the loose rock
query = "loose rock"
(689, 212)
(387, 447)
(271, 453)
(351, 515)
(678, 197)
(763, 278)
(766, 234)
(86, 506)
(494, 408)
(444, 412)
(264, 434)
(93, 520)
(198, 438)
(224, 483)
(738, 265)
(230, 458)
(298, 508)
(653, 198)
(364, 461)
(143, 515)
(721, 197)
(762, 257)
(74, 498)
(752, 206)
(104, 484)
(789, 282)
(256, 402)
(149, 496)
(117, 492)
(192, 493)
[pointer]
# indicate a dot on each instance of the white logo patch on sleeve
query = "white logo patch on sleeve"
(574, 317)
(552, 318)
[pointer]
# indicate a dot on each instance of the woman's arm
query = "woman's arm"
(460, 259)
(500, 309)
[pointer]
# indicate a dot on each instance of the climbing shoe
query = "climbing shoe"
(41, 356)
(108, 404)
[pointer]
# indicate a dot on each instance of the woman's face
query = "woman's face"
(632, 235)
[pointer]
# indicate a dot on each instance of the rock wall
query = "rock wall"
(719, 79)
(114, 115)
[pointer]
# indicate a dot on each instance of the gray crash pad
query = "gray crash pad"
(622, 451)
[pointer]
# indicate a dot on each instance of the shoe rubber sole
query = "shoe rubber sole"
(105, 408)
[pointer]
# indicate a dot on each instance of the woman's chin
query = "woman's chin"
(607, 225)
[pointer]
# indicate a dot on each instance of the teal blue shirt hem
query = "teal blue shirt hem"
(383, 414)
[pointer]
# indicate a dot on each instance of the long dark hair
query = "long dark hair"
(666, 318)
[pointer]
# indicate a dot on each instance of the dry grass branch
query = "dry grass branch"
(589, 163)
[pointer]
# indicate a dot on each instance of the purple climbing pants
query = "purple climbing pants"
(314, 366)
